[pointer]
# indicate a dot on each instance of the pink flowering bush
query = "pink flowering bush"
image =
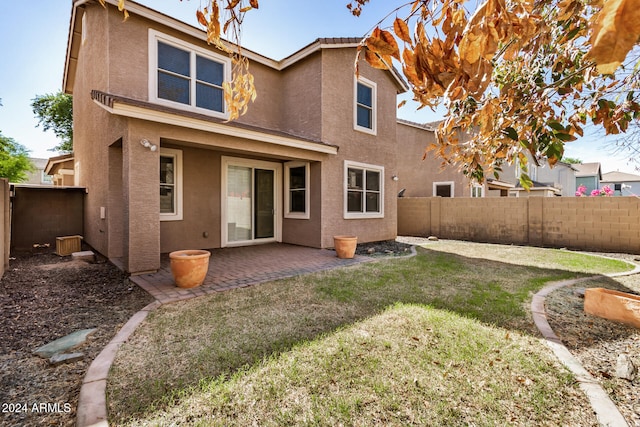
(605, 191)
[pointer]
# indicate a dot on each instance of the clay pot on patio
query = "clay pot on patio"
(189, 267)
(345, 246)
(613, 305)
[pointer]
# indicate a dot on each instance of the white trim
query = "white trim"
(177, 159)
(450, 183)
(287, 190)
(477, 187)
(155, 37)
(364, 166)
(253, 164)
(374, 105)
(142, 113)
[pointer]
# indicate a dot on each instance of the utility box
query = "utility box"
(67, 245)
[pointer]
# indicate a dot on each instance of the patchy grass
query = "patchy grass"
(326, 348)
(536, 257)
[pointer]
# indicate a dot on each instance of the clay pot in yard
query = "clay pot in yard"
(613, 305)
(345, 246)
(189, 267)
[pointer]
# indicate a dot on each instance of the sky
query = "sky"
(34, 40)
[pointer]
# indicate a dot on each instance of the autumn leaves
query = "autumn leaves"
(515, 76)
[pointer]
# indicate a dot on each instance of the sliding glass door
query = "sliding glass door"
(250, 201)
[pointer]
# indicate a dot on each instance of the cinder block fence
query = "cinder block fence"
(607, 224)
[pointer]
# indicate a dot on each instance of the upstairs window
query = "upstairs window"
(365, 106)
(185, 76)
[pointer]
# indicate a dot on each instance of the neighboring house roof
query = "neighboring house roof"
(134, 108)
(75, 38)
(619, 177)
(568, 165)
(538, 186)
(52, 161)
(423, 126)
(495, 184)
(587, 169)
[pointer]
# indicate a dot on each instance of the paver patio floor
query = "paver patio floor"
(238, 267)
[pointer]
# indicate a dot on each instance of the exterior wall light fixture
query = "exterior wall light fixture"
(145, 143)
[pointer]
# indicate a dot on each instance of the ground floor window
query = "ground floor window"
(170, 184)
(296, 184)
(364, 190)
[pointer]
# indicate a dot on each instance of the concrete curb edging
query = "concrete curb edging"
(92, 402)
(606, 411)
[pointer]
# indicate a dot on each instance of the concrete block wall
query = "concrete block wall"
(608, 224)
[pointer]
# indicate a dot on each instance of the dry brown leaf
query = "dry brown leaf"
(383, 43)
(375, 60)
(201, 18)
(615, 31)
(402, 30)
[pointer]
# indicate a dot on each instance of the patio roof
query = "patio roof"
(134, 108)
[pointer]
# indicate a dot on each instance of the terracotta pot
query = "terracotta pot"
(345, 246)
(189, 267)
(613, 305)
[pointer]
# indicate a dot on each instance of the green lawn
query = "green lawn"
(439, 339)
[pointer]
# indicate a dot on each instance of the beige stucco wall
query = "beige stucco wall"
(417, 175)
(379, 150)
(610, 224)
(313, 98)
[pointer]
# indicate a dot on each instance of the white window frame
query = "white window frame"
(450, 183)
(374, 106)
(475, 188)
(287, 191)
(177, 163)
(365, 167)
(154, 38)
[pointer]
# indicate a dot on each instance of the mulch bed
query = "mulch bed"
(44, 297)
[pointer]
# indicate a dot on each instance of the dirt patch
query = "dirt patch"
(45, 297)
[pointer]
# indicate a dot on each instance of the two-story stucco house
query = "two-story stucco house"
(315, 156)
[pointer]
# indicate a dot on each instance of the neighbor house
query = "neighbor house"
(315, 155)
(420, 173)
(61, 170)
(622, 183)
(589, 175)
(37, 176)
